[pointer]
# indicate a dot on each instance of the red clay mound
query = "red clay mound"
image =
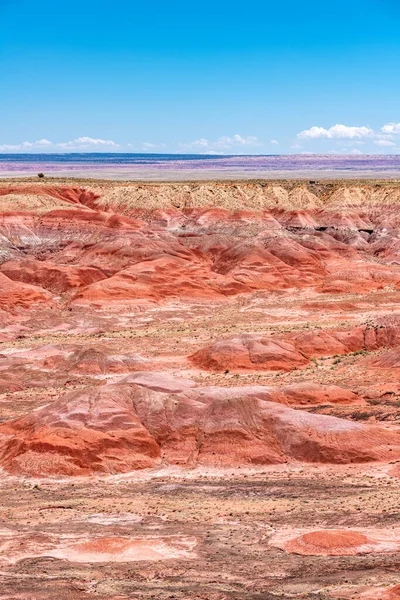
(55, 278)
(392, 594)
(10, 383)
(387, 360)
(333, 542)
(338, 542)
(250, 352)
(20, 295)
(122, 427)
(155, 280)
(272, 353)
(83, 432)
(81, 548)
(97, 361)
(309, 394)
(381, 594)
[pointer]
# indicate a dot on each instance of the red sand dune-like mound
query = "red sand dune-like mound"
(15, 295)
(71, 358)
(123, 427)
(97, 361)
(84, 432)
(337, 542)
(55, 278)
(155, 280)
(392, 594)
(330, 542)
(109, 548)
(308, 394)
(10, 384)
(250, 352)
(381, 594)
(387, 360)
(272, 353)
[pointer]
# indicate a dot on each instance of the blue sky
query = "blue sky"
(253, 77)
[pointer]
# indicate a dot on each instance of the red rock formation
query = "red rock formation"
(309, 394)
(72, 195)
(337, 542)
(155, 280)
(10, 383)
(84, 432)
(387, 360)
(271, 353)
(15, 295)
(250, 351)
(119, 428)
(55, 278)
(334, 542)
(392, 594)
(195, 252)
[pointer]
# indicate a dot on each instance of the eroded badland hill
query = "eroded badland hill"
(200, 390)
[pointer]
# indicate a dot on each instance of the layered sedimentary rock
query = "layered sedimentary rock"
(122, 427)
(156, 255)
(69, 256)
(294, 351)
(14, 295)
(199, 379)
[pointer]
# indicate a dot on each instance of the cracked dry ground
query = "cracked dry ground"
(199, 391)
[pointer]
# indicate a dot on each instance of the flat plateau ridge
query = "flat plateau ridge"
(200, 390)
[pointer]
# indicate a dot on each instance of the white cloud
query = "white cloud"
(391, 128)
(87, 143)
(384, 143)
(274, 142)
(150, 146)
(79, 144)
(25, 146)
(222, 143)
(336, 131)
(42, 142)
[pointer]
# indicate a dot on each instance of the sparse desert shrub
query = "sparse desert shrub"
(360, 415)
